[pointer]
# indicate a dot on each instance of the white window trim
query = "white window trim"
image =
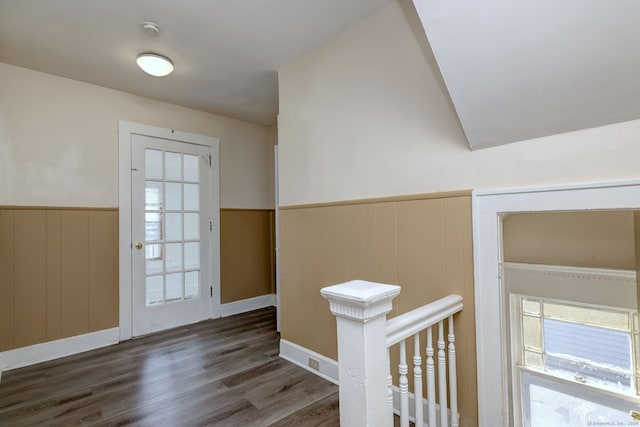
(494, 405)
(125, 132)
(606, 395)
(584, 285)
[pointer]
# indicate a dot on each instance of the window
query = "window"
(493, 336)
(574, 364)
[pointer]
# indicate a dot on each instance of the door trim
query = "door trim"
(277, 239)
(494, 399)
(125, 132)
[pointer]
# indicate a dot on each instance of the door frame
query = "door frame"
(125, 132)
(494, 399)
(277, 237)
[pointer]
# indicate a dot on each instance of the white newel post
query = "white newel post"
(360, 308)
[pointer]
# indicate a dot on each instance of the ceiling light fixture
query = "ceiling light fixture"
(154, 64)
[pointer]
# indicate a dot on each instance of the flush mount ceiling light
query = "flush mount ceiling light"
(154, 64)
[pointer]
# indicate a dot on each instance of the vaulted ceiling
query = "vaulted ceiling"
(514, 70)
(517, 70)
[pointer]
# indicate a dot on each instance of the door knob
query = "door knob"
(138, 245)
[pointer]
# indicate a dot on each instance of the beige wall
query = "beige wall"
(59, 268)
(367, 115)
(247, 263)
(422, 244)
(59, 147)
(58, 273)
(272, 137)
(59, 142)
(596, 239)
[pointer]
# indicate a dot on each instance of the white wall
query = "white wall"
(59, 142)
(367, 115)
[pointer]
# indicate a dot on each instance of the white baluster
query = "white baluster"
(404, 386)
(453, 382)
(431, 380)
(442, 376)
(389, 390)
(417, 380)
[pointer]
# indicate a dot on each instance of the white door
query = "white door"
(172, 222)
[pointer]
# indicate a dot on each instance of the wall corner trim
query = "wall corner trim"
(249, 304)
(37, 353)
(299, 355)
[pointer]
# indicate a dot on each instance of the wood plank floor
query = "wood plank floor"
(223, 372)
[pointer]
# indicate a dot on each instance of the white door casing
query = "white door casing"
(171, 229)
(494, 403)
(166, 316)
(277, 248)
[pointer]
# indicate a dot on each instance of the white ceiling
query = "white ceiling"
(517, 70)
(514, 70)
(226, 52)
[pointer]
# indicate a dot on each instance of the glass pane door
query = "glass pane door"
(171, 228)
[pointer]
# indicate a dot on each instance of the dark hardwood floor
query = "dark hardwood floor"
(223, 372)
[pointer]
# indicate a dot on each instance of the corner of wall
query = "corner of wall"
(249, 304)
(301, 356)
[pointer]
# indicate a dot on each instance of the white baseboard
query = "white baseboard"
(299, 355)
(25, 356)
(249, 304)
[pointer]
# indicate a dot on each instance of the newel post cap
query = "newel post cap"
(360, 300)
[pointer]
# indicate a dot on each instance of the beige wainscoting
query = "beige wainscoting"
(247, 263)
(422, 243)
(595, 239)
(58, 273)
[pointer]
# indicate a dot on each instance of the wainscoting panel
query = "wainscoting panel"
(58, 273)
(247, 267)
(103, 270)
(30, 292)
(422, 244)
(7, 279)
(74, 293)
(592, 239)
(54, 277)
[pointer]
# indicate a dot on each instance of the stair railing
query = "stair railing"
(365, 343)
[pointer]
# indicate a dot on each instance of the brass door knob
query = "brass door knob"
(138, 245)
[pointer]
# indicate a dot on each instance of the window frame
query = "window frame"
(493, 369)
(519, 367)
